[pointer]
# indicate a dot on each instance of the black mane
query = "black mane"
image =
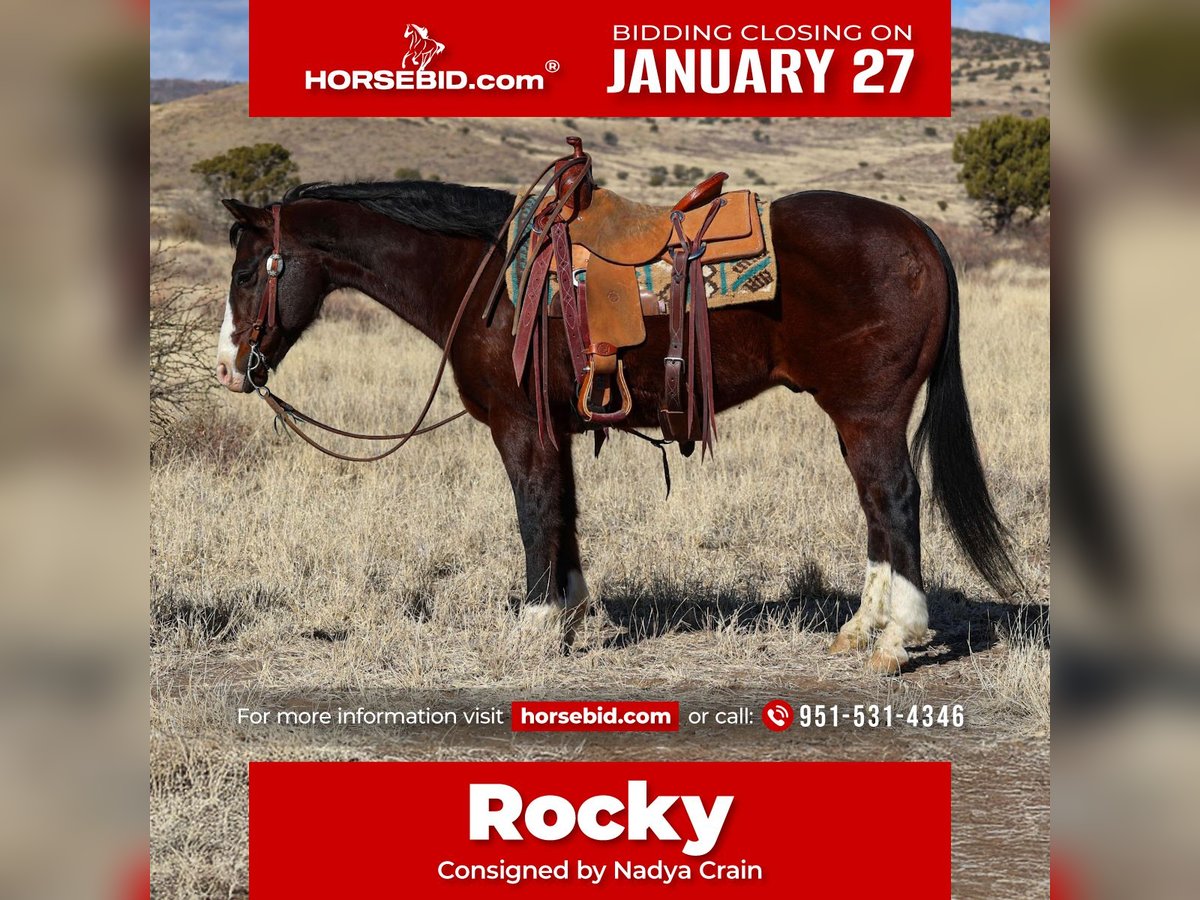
(452, 209)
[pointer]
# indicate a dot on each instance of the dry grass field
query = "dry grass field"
(281, 577)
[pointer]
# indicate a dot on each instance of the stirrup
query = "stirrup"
(599, 417)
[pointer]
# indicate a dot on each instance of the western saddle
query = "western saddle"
(594, 241)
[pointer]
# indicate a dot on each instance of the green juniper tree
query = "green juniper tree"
(1006, 167)
(257, 174)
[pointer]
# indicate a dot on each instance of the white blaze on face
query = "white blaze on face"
(227, 370)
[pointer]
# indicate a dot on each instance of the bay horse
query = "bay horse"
(865, 313)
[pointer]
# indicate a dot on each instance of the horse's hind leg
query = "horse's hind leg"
(893, 605)
(872, 614)
(908, 613)
(543, 483)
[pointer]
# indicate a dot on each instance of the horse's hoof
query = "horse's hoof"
(845, 642)
(567, 643)
(886, 662)
(539, 617)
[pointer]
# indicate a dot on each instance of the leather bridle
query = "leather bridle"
(268, 317)
(268, 309)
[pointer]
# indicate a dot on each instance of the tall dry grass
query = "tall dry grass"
(279, 572)
(238, 508)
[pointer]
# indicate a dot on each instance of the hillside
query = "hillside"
(906, 161)
(164, 90)
(987, 46)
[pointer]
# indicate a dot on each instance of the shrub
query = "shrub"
(943, 205)
(1006, 167)
(611, 138)
(658, 176)
(186, 225)
(930, 131)
(407, 173)
(256, 174)
(971, 250)
(181, 338)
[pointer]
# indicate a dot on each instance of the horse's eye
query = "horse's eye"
(243, 278)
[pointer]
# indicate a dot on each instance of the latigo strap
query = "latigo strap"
(678, 420)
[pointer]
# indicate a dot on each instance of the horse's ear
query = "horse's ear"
(252, 216)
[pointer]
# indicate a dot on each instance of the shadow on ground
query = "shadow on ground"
(961, 625)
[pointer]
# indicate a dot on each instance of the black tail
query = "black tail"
(959, 488)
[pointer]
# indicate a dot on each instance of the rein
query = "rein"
(268, 317)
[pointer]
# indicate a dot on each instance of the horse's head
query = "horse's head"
(410, 30)
(254, 336)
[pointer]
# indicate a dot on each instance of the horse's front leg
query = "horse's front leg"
(543, 483)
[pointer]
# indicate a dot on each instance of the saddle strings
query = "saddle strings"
(540, 327)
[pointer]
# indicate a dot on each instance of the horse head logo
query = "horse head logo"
(421, 47)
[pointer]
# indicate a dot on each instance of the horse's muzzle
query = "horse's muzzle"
(233, 379)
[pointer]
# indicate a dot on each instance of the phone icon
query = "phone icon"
(777, 715)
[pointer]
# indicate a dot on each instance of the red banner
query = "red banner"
(377, 58)
(595, 715)
(637, 830)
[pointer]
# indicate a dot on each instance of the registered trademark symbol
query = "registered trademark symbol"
(552, 65)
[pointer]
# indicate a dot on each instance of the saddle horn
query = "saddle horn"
(576, 183)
